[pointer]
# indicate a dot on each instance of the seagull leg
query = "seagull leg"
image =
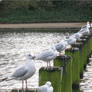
(22, 85)
(26, 84)
(60, 54)
(49, 63)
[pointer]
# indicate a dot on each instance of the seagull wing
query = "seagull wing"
(20, 72)
(45, 54)
(58, 46)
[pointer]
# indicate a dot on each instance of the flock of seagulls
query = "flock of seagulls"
(28, 69)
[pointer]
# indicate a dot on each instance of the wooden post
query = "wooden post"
(90, 44)
(85, 50)
(65, 61)
(81, 58)
(52, 74)
(85, 47)
(74, 53)
(20, 90)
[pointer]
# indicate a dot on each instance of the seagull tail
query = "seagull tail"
(5, 79)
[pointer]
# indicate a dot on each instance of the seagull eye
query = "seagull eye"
(29, 55)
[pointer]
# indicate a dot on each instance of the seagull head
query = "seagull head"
(53, 48)
(67, 35)
(48, 83)
(29, 56)
(88, 24)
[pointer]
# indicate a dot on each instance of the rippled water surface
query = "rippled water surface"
(13, 50)
(86, 82)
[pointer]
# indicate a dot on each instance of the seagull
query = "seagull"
(71, 40)
(67, 35)
(88, 24)
(50, 89)
(47, 55)
(61, 46)
(24, 72)
(46, 88)
(85, 29)
(77, 35)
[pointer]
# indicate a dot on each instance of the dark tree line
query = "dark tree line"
(37, 4)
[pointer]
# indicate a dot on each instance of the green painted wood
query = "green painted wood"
(84, 51)
(74, 53)
(90, 44)
(52, 74)
(65, 61)
(80, 45)
(85, 48)
(89, 47)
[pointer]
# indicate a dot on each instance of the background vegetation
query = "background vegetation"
(28, 11)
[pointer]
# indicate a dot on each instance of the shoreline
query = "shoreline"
(43, 25)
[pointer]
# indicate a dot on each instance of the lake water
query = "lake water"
(13, 50)
(86, 82)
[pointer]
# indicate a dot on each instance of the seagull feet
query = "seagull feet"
(48, 65)
(24, 89)
(26, 85)
(60, 54)
(22, 85)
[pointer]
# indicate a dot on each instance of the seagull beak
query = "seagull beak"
(33, 57)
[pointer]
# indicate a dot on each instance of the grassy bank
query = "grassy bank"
(67, 13)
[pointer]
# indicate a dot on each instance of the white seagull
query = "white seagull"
(47, 55)
(77, 35)
(71, 40)
(88, 24)
(46, 88)
(24, 72)
(61, 46)
(85, 29)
